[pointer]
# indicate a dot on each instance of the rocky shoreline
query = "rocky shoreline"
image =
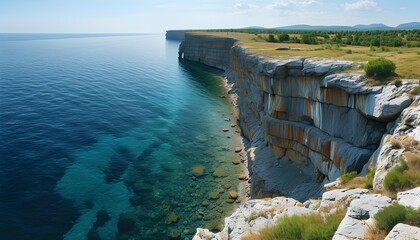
(305, 125)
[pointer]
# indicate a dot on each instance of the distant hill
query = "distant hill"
(409, 26)
(360, 27)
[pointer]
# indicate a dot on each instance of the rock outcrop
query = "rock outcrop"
(303, 111)
(175, 34)
(360, 215)
(212, 51)
(403, 231)
(403, 136)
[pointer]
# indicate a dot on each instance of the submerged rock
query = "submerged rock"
(198, 171)
(233, 194)
(213, 196)
(126, 222)
(236, 161)
(172, 218)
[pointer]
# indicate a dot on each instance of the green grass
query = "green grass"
(399, 178)
(348, 176)
(369, 178)
(390, 216)
(305, 227)
(406, 59)
(416, 90)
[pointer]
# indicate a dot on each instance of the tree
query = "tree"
(271, 38)
(284, 37)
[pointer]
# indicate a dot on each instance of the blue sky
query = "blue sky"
(121, 16)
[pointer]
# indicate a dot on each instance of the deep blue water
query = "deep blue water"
(95, 126)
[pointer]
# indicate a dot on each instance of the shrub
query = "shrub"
(349, 51)
(369, 178)
(348, 176)
(395, 144)
(397, 82)
(390, 216)
(312, 226)
(416, 90)
(380, 67)
(397, 179)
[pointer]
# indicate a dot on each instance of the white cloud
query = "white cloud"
(245, 6)
(361, 5)
(285, 4)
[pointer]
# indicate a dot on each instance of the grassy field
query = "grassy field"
(406, 59)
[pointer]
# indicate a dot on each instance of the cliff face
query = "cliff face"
(212, 51)
(301, 109)
(175, 34)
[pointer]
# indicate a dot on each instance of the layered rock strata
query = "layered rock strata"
(302, 109)
(212, 51)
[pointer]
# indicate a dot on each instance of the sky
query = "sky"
(154, 16)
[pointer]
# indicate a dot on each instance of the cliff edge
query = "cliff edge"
(304, 113)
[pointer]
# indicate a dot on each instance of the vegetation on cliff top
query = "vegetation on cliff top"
(312, 226)
(379, 68)
(405, 57)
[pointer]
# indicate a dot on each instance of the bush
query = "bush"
(398, 179)
(348, 176)
(416, 90)
(380, 67)
(312, 226)
(397, 82)
(390, 216)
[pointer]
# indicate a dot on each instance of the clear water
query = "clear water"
(99, 135)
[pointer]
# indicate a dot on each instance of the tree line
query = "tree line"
(393, 38)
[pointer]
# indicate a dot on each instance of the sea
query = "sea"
(111, 136)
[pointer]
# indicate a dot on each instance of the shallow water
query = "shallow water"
(100, 135)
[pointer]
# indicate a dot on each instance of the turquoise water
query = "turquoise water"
(100, 135)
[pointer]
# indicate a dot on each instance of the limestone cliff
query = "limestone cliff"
(304, 111)
(212, 51)
(301, 109)
(175, 34)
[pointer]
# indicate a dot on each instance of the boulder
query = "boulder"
(355, 224)
(410, 198)
(403, 231)
(340, 197)
(233, 194)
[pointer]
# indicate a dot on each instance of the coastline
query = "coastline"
(258, 90)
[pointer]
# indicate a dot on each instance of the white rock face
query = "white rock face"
(410, 198)
(253, 216)
(387, 156)
(344, 196)
(359, 215)
(300, 110)
(404, 232)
